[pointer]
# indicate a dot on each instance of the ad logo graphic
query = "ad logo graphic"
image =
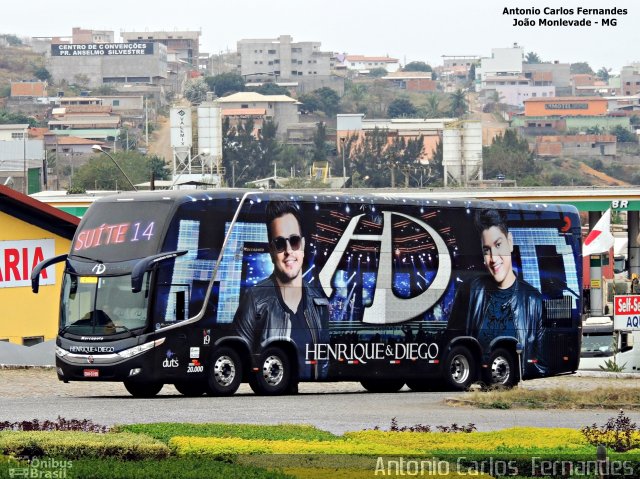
(388, 308)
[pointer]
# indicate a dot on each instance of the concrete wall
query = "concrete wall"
(560, 72)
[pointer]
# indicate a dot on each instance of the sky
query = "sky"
(410, 30)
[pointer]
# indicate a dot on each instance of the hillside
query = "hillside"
(17, 63)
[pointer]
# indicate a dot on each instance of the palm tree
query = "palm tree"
(432, 107)
(532, 57)
(458, 104)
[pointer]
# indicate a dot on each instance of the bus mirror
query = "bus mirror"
(147, 264)
(35, 274)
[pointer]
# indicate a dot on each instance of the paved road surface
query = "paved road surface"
(336, 407)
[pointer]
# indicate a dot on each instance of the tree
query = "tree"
(458, 104)
(196, 91)
(508, 155)
(310, 102)
(378, 72)
(42, 74)
(623, 135)
(271, 89)
(8, 118)
(581, 67)
(320, 142)
(472, 73)
(431, 108)
(12, 40)
(417, 67)
(225, 83)
(325, 99)
(532, 57)
(101, 173)
(603, 74)
(436, 170)
(401, 108)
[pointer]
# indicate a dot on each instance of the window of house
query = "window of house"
(548, 125)
(271, 52)
(244, 105)
(17, 136)
(116, 102)
(294, 72)
(276, 61)
(32, 340)
(270, 63)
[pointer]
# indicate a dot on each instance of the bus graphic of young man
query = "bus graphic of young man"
(282, 307)
(499, 305)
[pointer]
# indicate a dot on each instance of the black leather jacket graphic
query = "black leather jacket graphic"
(262, 318)
(526, 307)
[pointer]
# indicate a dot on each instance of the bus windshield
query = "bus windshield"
(597, 345)
(102, 306)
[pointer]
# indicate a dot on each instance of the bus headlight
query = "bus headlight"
(136, 350)
(61, 353)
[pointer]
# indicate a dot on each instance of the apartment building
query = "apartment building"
(185, 44)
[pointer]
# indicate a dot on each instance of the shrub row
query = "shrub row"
(75, 445)
(165, 431)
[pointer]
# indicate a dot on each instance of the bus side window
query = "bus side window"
(626, 342)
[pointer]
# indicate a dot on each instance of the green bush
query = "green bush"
(75, 445)
(165, 431)
(167, 469)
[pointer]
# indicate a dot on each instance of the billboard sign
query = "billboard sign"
(18, 258)
(626, 312)
(101, 49)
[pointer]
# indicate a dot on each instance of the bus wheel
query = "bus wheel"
(225, 372)
(382, 385)
(274, 376)
(191, 389)
(502, 370)
(425, 385)
(143, 390)
(460, 369)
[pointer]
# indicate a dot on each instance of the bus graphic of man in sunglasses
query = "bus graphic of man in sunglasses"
(283, 307)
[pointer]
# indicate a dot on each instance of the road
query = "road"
(335, 407)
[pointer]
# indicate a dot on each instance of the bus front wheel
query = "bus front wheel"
(502, 370)
(460, 369)
(225, 372)
(143, 390)
(274, 374)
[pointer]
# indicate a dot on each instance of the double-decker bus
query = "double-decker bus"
(208, 289)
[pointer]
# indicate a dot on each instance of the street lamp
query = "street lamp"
(98, 149)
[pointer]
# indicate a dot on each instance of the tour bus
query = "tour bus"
(206, 289)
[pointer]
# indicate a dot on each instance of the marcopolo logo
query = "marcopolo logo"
(388, 308)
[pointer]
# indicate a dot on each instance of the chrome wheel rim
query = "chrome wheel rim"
(224, 371)
(500, 370)
(273, 370)
(459, 369)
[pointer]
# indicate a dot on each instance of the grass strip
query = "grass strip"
(165, 431)
(76, 445)
(556, 398)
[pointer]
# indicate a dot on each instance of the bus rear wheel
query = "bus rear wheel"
(191, 389)
(143, 390)
(460, 369)
(274, 375)
(502, 370)
(382, 385)
(225, 372)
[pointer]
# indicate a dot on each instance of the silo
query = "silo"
(452, 153)
(472, 149)
(210, 130)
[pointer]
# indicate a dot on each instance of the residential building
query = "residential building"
(364, 64)
(281, 109)
(282, 59)
(28, 89)
(503, 62)
(412, 81)
(185, 44)
(13, 132)
(21, 159)
(545, 74)
(81, 35)
(575, 145)
(630, 80)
